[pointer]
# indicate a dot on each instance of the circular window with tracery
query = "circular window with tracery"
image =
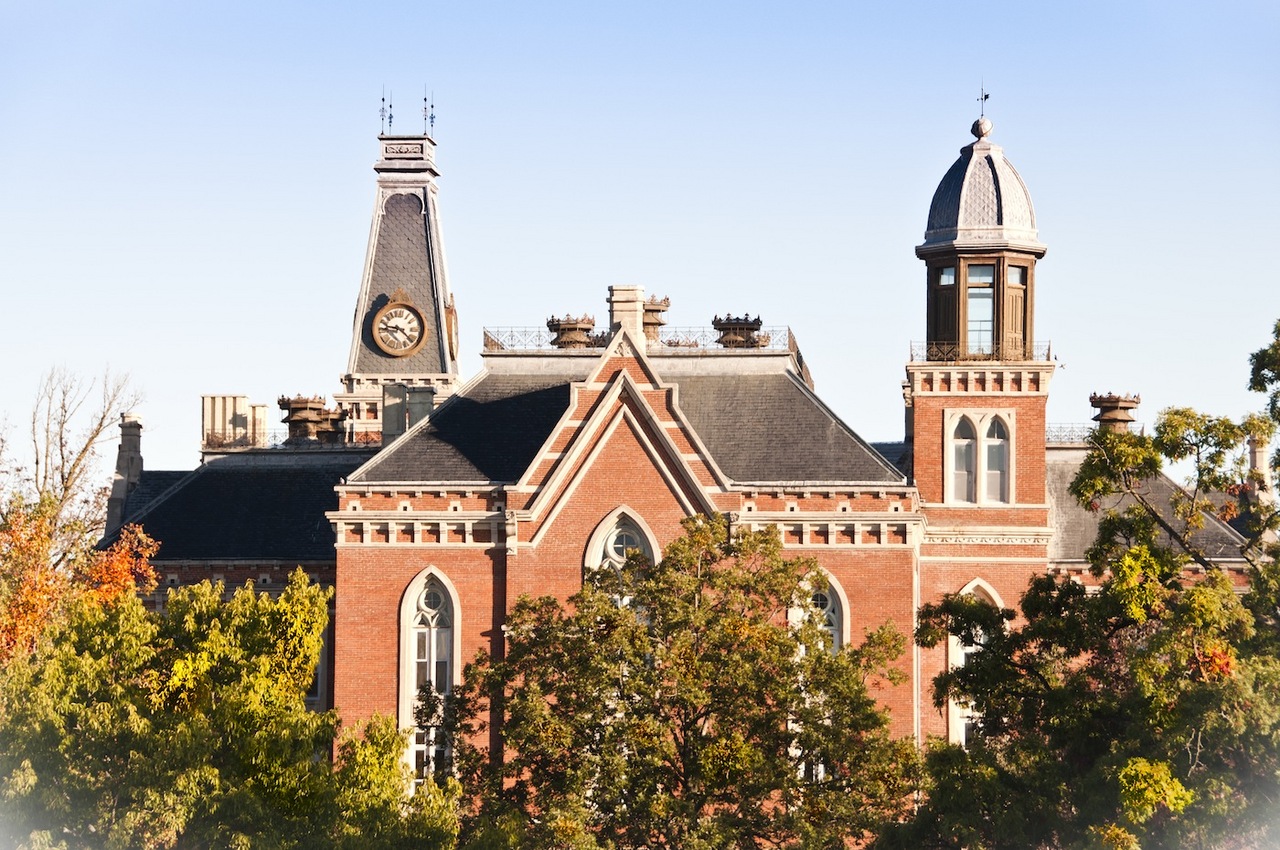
(622, 540)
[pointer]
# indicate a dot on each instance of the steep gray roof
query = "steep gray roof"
(490, 432)
(768, 427)
(757, 427)
(403, 258)
(1075, 528)
(243, 511)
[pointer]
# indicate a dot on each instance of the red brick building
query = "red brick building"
(432, 502)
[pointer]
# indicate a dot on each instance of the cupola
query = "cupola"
(981, 247)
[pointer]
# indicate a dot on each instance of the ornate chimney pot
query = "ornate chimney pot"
(571, 331)
(653, 320)
(1115, 412)
(739, 331)
(310, 422)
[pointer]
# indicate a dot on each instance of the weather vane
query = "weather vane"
(428, 111)
(982, 102)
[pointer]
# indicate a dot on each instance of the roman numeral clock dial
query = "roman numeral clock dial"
(397, 329)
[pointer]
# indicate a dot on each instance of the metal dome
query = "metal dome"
(981, 202)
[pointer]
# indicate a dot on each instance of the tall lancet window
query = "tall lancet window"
(964, 462)
(433, 637)
(997, 446)
(826, 610)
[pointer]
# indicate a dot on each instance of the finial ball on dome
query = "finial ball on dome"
(982, 128)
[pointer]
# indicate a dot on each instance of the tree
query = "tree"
(681, 704)
(51, 514)
(1144, 712)
(188, 728)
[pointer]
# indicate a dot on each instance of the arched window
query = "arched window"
(963, 721)
(830, 616)
(428, 660)
(997, 462)
(619, 534)
(964, 462)
(978, 447)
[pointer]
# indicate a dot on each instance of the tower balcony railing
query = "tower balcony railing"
(956, 352)
(672, 338)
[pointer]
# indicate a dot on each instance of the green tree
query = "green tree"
(188, 728)
(1145, 712)
(682, 704)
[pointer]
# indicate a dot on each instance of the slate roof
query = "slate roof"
(243, 511)
(1075, 528)
(767, 427)
(490, 432)
(403, 258)
(758, 428)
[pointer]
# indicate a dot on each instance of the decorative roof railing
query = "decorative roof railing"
(954, 352)
(1078, 432)
(540, 339)
(278, 438)
(1068, 432)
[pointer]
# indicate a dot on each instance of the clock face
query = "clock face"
(397, 329)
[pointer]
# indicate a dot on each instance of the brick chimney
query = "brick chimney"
(1115, 412)
(128, 469)
(1262, 484)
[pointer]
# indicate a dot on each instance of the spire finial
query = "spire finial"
(382, 112)
(983, 126)
(390, 117)
(428, 112)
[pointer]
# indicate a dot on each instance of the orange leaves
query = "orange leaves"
(123, 568)
(30, 587)
(33, 589)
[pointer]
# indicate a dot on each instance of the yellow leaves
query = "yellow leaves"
(1149, 786)
(1137, 583)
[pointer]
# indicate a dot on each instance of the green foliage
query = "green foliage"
(1143, 712)
(188, 728)
(675, 705)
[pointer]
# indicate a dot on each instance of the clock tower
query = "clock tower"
(404, 340)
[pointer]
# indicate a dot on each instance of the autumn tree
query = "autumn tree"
(692, 703)
(1142, 712)
(52, 511)
(189, 728)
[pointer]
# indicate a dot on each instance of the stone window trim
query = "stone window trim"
(408, 691)
(981, 421)
(838, 607)
(620, 519)
(960, 717)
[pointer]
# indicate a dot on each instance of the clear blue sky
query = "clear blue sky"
(185, 188)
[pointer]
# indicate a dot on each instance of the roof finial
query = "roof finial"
(428, 111)
(382, 113)
(390, 117)
(983, 126)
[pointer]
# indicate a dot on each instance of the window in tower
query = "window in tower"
(947, 276)
(1017, 275)
(964, 466)
(964, 723)
(997, 462)
(979, 447)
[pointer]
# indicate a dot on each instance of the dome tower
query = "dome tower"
(981, 247)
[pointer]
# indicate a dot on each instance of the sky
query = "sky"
(186, 188)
